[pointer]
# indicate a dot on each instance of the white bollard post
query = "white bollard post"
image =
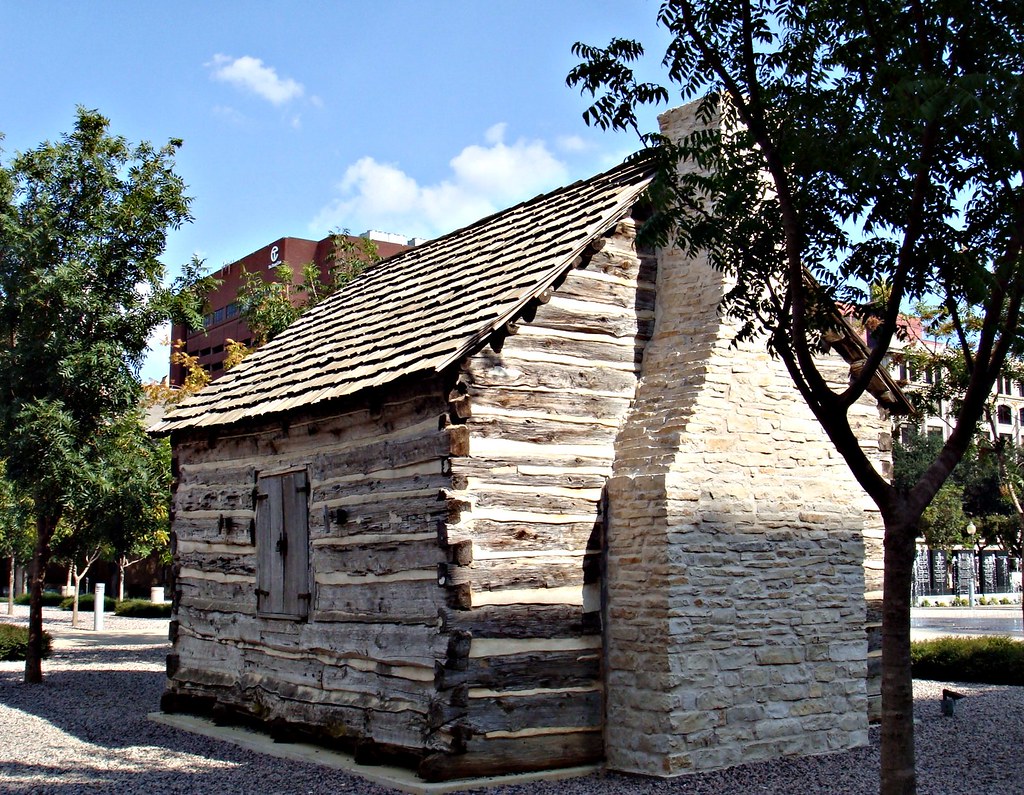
(156, 594)
(97, 616)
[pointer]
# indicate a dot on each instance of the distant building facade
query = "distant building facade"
(222, 320)
(1006, 399)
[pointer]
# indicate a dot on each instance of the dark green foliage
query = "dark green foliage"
(50, 599)
(14, 643)
(86, 602)
(988, 660)
(143, 608)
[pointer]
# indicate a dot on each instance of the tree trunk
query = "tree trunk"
(10, 587)
(45, 525)
(122, 564)
(898, 773)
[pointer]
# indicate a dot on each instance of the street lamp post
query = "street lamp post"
(971, 530)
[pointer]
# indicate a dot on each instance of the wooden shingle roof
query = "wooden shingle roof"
(420, 310)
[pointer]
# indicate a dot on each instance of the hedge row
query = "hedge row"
(14, 642)
(993, 660)
(143, 608)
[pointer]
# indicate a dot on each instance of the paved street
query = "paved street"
(930, 622)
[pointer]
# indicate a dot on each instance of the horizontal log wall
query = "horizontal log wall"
(521, 687)
(362, 667)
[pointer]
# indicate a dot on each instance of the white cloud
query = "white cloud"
(574, 144)
(229, 114)
(483, 179)
(252, 75)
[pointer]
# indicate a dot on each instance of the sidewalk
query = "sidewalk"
(117, 630)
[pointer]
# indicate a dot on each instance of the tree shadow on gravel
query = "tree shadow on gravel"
(96, 699)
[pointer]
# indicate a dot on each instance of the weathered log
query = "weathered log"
(518, 573)
(573, 668)
(597, 320)
(517, 621)
(509, 531)
(576, 708)
(598, 352)
(389, 557)
(421, 444)
(520, 371)
(377, 597)
(487, 756)
(420, 477)
(207, 527)
(552, 431)
(559, 403)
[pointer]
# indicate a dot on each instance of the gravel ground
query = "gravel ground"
(85, 730)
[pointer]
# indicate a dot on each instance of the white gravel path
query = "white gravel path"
(85, 730)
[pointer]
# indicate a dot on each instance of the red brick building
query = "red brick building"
(222, 321)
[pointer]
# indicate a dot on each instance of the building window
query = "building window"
(1003, 415)
(282, 545)
(1022, 418)
(231, 309)
(934, 432)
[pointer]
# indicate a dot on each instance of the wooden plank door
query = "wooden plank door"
(282, 545)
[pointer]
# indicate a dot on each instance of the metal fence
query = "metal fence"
(939, 574)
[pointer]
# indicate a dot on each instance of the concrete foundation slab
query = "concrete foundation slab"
(397, 777)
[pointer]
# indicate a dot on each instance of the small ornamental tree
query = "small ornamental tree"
(15, 531)
(867, 143)
(133, 516)
(269, 307)
(83, 221)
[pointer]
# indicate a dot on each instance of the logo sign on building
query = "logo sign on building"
(275, 254)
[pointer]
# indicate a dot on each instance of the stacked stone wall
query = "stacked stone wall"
(735, 613)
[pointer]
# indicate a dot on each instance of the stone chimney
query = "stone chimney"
(735, 612)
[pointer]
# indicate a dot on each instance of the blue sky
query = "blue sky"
(302, 118)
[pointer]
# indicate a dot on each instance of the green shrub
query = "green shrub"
(925, 603)
(143, 608)
(1005, 601)
(50, 599)
(86, 601)
(14, 642)
(992, 660)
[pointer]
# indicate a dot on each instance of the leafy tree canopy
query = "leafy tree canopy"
(82, 224)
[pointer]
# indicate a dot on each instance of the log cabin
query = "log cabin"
(513, 500)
